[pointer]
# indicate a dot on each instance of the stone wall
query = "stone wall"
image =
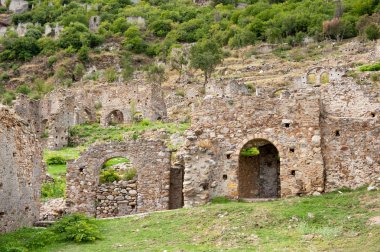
(116, 199)
(222, 126)
(152, 162)
(350, 135)
(21, 171)
(53, 115)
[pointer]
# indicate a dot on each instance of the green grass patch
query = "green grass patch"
(115, 161)
(334, 221)
(373, 67)
(94, 132)
(54, 189)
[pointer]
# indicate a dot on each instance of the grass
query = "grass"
(115, 161)
(373, 67)
(335, 221)
(94, 132)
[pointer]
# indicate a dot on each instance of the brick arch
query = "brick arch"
(153, 174)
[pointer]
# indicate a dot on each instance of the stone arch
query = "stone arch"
(44, 128)
(153, 175)
(259, 174)
(324, 77)
(114, 117)
(311, 78)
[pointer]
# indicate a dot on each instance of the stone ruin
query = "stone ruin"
(53, 115)
(310, 140)
(149, 192)
(94, 23)
(138, 21)
(320, 76)
(21, 172)
(16, 6)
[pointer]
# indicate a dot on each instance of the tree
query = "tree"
(206, 55)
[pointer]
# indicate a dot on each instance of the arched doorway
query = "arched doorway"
(259, 170)
(117, 192)
(114, 118)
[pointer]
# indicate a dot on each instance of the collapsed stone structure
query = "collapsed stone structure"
(21, 172)
(149, 192)
(53, 115)
(16, 6)
(311, 139)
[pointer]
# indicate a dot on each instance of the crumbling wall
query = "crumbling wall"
(21, 172)
(151, 160)
(62, 109)
(350, 135)
(222, 126)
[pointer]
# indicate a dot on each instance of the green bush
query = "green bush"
(109, 175)
(110, 74)
(372, 32)
(374, 67)
(52, 60)
(83, 54)
(130, 174)
(77, 228)
(56, 160)
(54, 189)
(78, 71)
(249, 152)
(23, 89)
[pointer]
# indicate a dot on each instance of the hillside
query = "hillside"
(59, 44)
(337, 221)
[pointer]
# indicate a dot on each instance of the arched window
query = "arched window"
(114, 118)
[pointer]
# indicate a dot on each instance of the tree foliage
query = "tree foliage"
(206, 55)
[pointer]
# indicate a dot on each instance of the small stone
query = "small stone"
(132, 192)
(371, 188)
(316, 194)
(110, 197)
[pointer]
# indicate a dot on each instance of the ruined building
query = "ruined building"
(311, 139)
(53, 115)
(21, 172)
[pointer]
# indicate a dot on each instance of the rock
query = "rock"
(316, 193)
(110, 197)
(132, 192)
(374, 220)
(372, 188)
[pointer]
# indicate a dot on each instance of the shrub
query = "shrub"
(52, 60)
(180, 92)
(372, 32)
(249, 152)
(108, 176)
(110, 74)
(130, 174)
(374, 67)
(83, 53)
(54, 189)
(56, 160)
(23, 89)
(161, 27)
(77, 228)
(8, 97)
(78, 71)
